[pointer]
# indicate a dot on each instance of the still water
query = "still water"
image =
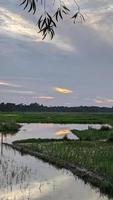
(47, 131)
(23, 177)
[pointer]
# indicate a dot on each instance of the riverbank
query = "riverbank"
(56, 117)
(9, 127)
(91, 161)
(92, 134)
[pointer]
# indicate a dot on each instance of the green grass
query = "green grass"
(96, 156)
(93, 134)
(9, 127)
(54, 117)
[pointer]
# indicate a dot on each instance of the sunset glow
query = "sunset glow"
(63, 90)
(46, 97)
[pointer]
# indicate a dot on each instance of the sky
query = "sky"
(75, 68)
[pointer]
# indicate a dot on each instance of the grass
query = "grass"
(54, 117)
(9, 127)
(96, 156)
(93, 134)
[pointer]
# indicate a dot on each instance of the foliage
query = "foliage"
(47, 20)
(35, 107)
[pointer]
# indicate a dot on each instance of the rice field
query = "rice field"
(96, 156)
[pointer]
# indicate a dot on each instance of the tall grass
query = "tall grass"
(95, 156)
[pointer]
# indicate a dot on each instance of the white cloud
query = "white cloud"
(4, 83)
(21, 92)
(15, 25)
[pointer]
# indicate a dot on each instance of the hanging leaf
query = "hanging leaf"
(47, 22)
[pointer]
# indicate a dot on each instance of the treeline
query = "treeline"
(35, 107)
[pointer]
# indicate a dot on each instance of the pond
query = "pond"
(23, 177)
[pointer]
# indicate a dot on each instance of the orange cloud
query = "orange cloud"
(63, 90)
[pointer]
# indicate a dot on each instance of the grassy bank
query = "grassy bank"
(96, 157)
(51, 117)
(9, 127)
(93, 134)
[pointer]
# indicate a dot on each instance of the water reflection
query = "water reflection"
(65, 132)
(27, 178)
(14, 178)
(62, 132)
(47, 131)
(3, 137)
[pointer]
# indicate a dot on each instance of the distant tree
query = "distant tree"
(35, 107)
(48, 18)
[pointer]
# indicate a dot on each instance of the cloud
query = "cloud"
(100, 18)
(63, 90)
(16, 26)
(79, 56)
(23, 92)
(46, 97)
(7, 84)
(104, 101)
(26, 92)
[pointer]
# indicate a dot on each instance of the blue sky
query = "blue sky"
(75, 68)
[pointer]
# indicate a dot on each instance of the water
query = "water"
(47, 131)
(27, 178)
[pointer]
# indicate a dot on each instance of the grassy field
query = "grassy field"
(45, 117)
